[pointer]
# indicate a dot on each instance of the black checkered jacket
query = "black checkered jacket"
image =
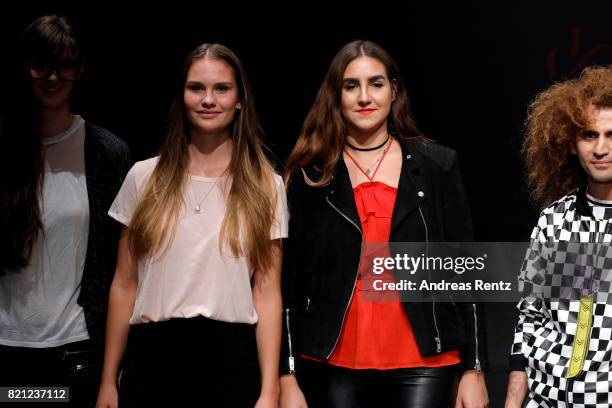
(568, 257)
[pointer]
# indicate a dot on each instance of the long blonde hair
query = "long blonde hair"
(251, 200)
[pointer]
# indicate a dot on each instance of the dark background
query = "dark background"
(471, 69)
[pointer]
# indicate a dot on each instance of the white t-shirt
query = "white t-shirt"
(192, 277)
(38, 304)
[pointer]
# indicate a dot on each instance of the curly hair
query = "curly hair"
(554, 119)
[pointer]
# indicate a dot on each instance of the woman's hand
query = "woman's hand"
(267, 400)
(108, 397)
(472, 392)
(291, 395)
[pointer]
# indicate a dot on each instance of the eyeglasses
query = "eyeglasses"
(66, 69)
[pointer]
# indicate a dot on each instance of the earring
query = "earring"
(238, 107)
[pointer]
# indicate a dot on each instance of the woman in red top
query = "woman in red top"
(376, 360)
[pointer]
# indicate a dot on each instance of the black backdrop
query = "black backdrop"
(471, 69)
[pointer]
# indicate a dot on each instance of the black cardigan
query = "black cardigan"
(107, 161)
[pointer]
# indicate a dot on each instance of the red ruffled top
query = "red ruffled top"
(377, 334)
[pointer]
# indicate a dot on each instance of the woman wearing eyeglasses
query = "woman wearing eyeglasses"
(57, 246)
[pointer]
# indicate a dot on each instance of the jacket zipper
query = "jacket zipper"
(291, 357)
(79, 367)
(356, 274)
(477, 363)
(433, 301)
(77, 352)
(437, 338)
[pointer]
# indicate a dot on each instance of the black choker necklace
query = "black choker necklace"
(368, 149)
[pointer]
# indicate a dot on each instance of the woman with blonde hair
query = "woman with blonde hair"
(197, 284)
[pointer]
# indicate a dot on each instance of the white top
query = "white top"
(38, 304)
(193, 277)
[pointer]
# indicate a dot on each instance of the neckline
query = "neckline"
(53, 140)
(375, 183)
(205, 178)
(597, 201)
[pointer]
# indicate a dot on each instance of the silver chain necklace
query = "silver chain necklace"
(198, 207)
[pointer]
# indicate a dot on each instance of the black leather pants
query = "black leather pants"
(75, 365)
(325, 385)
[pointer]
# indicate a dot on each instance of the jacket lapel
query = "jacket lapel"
(410, 192)
(341, 193)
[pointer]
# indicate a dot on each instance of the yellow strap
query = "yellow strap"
(583, 334)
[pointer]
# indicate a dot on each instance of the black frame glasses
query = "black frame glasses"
(67, 69)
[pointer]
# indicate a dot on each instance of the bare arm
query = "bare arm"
(517, 388)
(120, 308)
(268, 304)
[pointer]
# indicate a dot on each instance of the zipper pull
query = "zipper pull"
(477, 366)
(438, 345)
(291, 365)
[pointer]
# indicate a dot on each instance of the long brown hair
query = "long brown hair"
(21, 161)
(554, 119)
(252, 197)
(323, 134)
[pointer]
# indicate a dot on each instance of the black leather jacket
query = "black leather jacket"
(322, 254)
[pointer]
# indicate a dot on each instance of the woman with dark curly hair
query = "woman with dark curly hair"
(562, 348)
